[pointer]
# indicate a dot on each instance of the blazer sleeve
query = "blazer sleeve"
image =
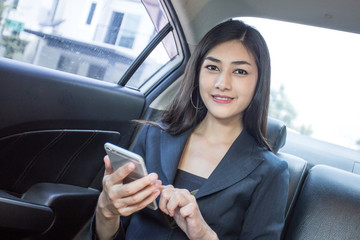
(265, 216)
(138, 148)
(141, 140)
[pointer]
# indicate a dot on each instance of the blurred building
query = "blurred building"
(94, 38)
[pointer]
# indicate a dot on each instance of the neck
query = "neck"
(219, 131)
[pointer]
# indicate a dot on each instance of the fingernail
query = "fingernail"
(156, 192)
(156, 183)
(152, 176)
(131, 166)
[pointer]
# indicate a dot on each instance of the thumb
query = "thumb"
(108, 168)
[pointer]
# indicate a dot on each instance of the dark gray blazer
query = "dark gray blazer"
(244, 198)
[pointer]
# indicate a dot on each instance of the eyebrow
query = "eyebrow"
(235, 62)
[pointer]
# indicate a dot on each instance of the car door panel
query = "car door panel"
(33, 97)
(53, 127)
(58, 156)
(33, 219)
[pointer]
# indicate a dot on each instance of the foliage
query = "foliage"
(13, 45)
(2, 8)
(281, 108)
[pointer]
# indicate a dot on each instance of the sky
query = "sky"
(319, 69)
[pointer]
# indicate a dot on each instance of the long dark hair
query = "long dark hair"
(187, 108)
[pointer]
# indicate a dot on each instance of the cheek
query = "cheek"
(201, 86)
(247, 89)
(205, 84)
(252, 87)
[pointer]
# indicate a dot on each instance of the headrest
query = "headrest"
(276, 134)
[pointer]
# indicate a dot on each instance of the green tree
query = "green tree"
(281, 108)
(2, 8)
(12, 43)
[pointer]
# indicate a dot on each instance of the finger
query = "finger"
(129, 189)
(141, 195)
(108, 168)
(162, 187)
(126, 211)
(163, 201)
(188, 210)
(168, 189)
(164, 198)
(178, 199)
(109, 181)
(120, 174)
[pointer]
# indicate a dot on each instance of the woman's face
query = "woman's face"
(228, 80)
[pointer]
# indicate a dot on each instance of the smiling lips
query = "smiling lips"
(222, 99)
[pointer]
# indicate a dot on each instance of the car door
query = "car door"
(63, 96)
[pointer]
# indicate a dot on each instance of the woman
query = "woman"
(213, 172)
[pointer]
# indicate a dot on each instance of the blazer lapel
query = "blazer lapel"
(238, 162)
(171, 148)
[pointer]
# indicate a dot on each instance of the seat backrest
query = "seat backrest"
(328, 206)
(276, 131)
(297, 171)
(276, 134)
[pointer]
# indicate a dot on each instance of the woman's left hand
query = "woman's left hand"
(182, 206)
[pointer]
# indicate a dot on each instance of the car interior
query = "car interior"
(53, 126)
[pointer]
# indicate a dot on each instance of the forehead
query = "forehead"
(230, 51)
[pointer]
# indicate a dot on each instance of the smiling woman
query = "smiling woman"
(61, 98)
(214, 153)
(233, 71)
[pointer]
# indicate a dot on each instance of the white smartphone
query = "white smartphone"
(120, 156)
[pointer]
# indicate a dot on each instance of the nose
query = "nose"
(223, 82)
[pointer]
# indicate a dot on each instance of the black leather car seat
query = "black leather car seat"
(276, 131)
(328, 207)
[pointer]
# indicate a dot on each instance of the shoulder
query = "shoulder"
(275, 170)
(149, 129)
(272, 172)
(155, 129)
(147, 134)
(270, 162)
(274, 162)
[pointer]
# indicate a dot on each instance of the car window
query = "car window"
(92, 38)
(315, 80)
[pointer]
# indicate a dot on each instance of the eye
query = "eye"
(240, 71)
(212, 67)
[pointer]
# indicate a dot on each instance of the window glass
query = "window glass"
(149, 67)
(113, 29)
(128, 32)
(94, 38)
(315, 80)
(91, 13)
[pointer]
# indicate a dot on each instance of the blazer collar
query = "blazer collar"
(241, 159)
(171, 148)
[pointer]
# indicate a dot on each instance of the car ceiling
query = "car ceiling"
(198, 16)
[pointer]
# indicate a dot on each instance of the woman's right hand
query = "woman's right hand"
(118, 199)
